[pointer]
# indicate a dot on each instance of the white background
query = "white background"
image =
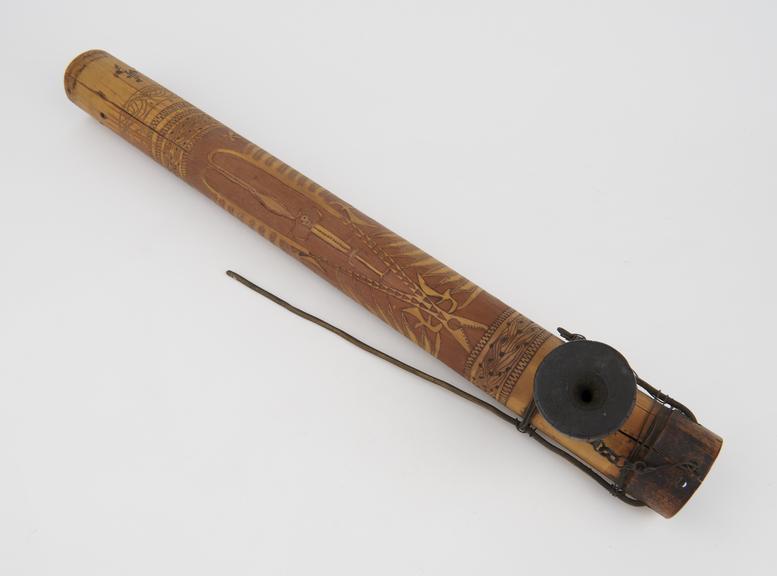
(605, 166)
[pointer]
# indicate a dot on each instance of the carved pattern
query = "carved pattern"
(486, 338)
(129, 73)
(432, 305)
(510, 348)
(173, 124)
(419, 296)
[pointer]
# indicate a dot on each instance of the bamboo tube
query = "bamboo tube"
(493, 346)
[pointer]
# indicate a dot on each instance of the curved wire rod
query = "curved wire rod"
(531, 431)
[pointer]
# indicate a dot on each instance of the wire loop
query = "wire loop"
(522, 424)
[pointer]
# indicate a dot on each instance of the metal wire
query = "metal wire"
(613, 489)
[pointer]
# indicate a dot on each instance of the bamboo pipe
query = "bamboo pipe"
(493, 346)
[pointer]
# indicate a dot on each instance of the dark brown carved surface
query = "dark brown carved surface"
(507, 352)
(432, 305)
